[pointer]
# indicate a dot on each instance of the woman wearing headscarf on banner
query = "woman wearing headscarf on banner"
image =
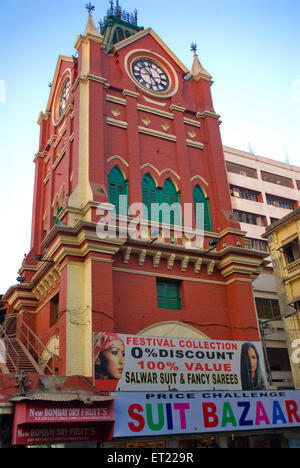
(109, 353)
(251, 374)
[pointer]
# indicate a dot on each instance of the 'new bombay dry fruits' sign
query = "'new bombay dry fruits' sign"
(139, 363)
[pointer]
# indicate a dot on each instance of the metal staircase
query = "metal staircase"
(24, 349)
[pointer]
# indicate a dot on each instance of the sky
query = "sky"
(250, 47)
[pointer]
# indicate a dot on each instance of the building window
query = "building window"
(291, 251)
(117, 186)
(54, 311)
(250, 218)
(150, 195)
(279, 361)
(169, 195)
(200, 198)
(280, 202)
(246, 194)
(168, 295)
(154, 197)
(276, 179)
(241, 170)
(120, 35)
(256, 244)
(267, 309)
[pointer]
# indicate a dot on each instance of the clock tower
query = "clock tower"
(126, 118)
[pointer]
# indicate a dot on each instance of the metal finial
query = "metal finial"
(194, 47)
(89, 7)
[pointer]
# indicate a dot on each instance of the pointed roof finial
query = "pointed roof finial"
(194, 47)
(90, 27)
(198, 71)
(89, 7)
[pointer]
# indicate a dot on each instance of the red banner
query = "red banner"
(47, 423)
(63, 412)
(42, 434)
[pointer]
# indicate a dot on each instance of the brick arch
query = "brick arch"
(201, 182)
(173, 329)
(120, 163)
(160, 176)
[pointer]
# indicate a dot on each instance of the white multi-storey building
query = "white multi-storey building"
(263, 191)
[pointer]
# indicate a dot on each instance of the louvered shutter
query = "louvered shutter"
(116, 186)
(199, 197)
(168, 295)
(169, 195)
(150, 195)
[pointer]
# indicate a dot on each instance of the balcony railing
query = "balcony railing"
(293, 267)
(118, 12)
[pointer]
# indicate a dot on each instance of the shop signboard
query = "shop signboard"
(140, 363)
(171, 413)
(37, 423)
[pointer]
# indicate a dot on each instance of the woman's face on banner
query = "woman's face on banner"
(115, 361)
(253, 359)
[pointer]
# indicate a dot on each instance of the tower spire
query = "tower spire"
(90, 27)
(198, 71)
(118, 25)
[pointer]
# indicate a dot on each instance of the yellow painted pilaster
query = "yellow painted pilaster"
(82, 193)
(79, 341)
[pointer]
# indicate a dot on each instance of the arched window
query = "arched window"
(169, 195)
(149, 194)
(117, 186)
(199, 197)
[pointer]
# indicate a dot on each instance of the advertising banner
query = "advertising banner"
(169, 413)
(139, 363)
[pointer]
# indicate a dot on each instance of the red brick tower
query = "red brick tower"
(126, 117)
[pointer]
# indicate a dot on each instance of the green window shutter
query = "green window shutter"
(169, 195)
(168, 295)
(199, 197)
(149, 193)
(117, 186)
(162, 295)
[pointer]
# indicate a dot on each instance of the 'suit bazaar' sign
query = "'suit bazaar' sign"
(148, 414)
(139, 363)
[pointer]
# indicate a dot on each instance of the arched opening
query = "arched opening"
(117, 187)
(200, 198)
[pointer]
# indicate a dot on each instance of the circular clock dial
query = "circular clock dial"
(64, 97)
(150, 75)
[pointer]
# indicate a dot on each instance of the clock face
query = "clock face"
(150, 75)
(64, 97)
